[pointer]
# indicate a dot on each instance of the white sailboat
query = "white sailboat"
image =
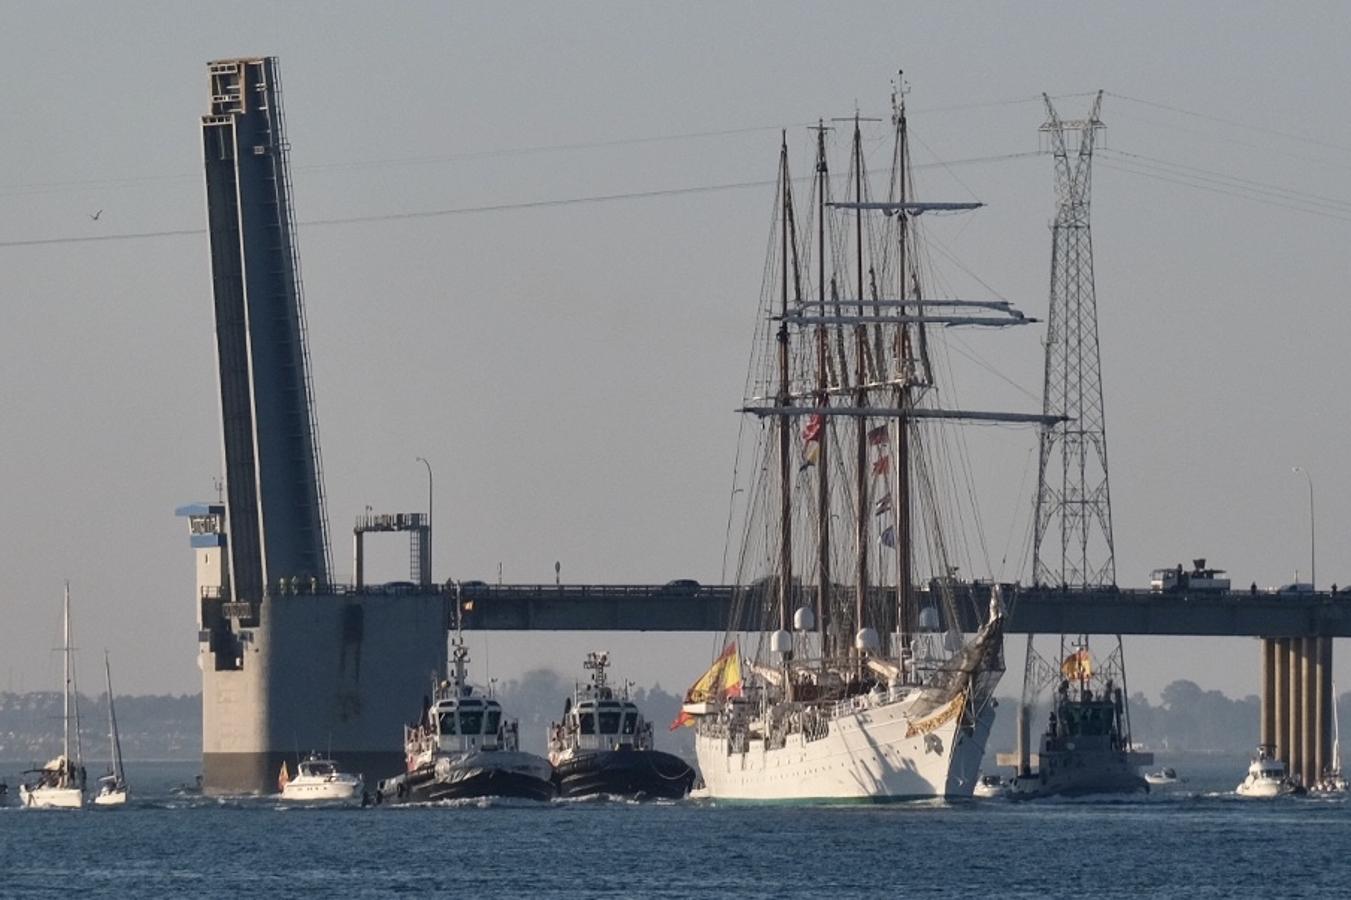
(879, 689)
(60, 783)
(113, 786)
(1333, 782)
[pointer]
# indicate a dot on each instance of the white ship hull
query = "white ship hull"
(348, 790)
(51, 798)
(117, 797)
(1265, 788)
(870, 755)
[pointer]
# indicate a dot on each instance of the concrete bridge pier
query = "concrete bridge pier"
(1296, 704)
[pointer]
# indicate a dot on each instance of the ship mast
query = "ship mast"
(904, 397)
(861, 443)
(459, 657)
(822, 396)
(784, 399)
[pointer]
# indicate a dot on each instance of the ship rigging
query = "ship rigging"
(869, 685)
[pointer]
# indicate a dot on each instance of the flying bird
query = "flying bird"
(95, 216)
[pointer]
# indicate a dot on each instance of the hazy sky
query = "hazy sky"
(571, 371)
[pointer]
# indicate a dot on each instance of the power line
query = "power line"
(1197, 184)
(473, 210)
(103, 238)
(43, 187)
(494, 153)
(1234, 123)
(1256, 187)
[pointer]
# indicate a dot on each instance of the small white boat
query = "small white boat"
(319, 780)
(1164, 776)
(111, 792)
(113, 786)
(990, 787)
(60, 784)
(1266, 778)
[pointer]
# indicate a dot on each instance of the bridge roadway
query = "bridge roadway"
(573, 607)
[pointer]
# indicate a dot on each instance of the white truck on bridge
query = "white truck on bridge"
(1198, 579)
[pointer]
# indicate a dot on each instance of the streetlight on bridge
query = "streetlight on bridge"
(1313, 569)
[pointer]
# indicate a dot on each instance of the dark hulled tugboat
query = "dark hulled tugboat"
(464, 748)
(1086, 748)
(604, 746)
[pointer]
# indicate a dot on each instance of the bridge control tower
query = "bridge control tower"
(289, 661)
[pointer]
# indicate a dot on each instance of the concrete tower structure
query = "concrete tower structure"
(290, 662)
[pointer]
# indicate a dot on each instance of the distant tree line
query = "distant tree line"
(1185, 718)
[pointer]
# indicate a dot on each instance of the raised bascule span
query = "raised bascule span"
(288, 662)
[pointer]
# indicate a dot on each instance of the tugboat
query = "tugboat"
(318, 780)
(463, 747)
(604, 746)
(1086, 746)
(1266, 778)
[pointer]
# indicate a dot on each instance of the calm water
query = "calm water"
(1195, 840)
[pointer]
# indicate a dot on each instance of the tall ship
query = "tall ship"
(60, 784)
(857, 666)
(464, 747)
(604, 745)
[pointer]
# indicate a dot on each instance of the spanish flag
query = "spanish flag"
(723, 679)
(283, 778)
(812, 432)
(1078, 665)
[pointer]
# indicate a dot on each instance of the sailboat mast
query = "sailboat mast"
(785, 496)
(861, 445)
(114, 740)
(65, 702)
(822, 396)
(1336, 734)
